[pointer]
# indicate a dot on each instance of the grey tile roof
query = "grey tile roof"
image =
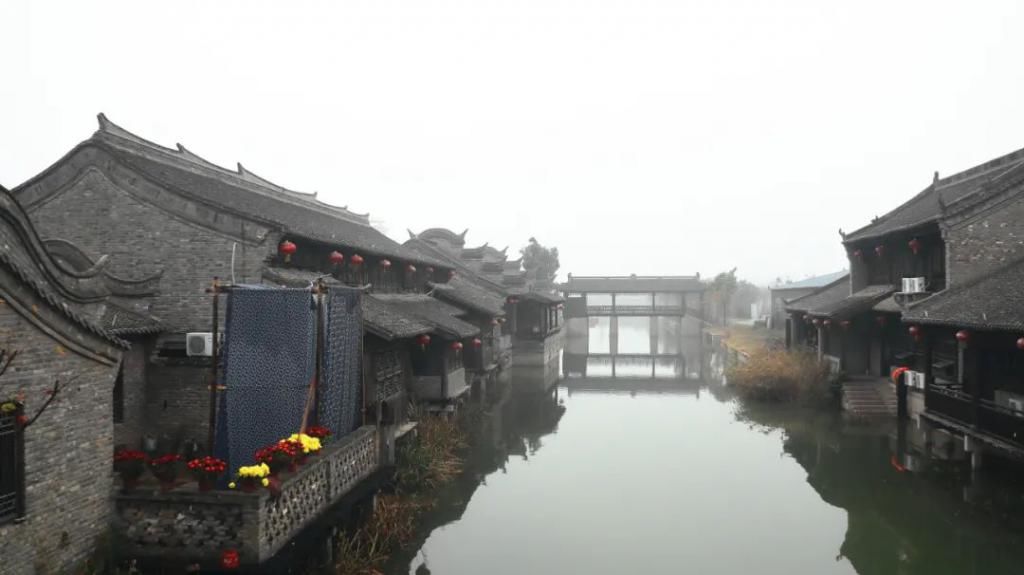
(994, 301)
(927, 206)
(853, 304)
(437, 314)
(623, 284)
(812, 282)
(245, 193)
(22, 252)
(834, 292)
(121, 321)
(391, 322)
(541, 296)
(464, 293)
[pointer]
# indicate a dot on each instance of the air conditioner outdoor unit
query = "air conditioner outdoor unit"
(1017, 405)
(915, 380)
(913, 285)
(199, 344)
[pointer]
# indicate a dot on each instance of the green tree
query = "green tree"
(540, 260)
(723, 287)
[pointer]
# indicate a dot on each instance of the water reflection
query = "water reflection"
(613, 475)
(637, 347)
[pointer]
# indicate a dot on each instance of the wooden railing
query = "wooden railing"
(986, 416)
(185, 524)
(636, 310)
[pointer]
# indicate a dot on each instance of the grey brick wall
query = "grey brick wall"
(986, 242)
(142, 239)
(130, 431)
(68, 452)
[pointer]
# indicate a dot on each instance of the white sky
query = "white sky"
(646, 137)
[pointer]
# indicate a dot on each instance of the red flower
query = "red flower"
(22, 420)
(129, 455)
(318, 432)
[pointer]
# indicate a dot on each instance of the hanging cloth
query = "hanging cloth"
(269, 363)
(340, 393)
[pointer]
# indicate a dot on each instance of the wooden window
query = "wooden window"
(119, 396)
(12, 467)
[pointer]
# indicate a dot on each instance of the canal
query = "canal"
(652, 473)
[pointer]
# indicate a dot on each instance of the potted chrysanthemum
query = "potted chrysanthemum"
(130, 465)
(165, 468)
(251, 477)
(206, 471)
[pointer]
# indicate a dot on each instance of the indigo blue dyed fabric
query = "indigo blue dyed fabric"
(340, 402)
(269, 364)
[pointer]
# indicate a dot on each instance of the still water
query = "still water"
(652, 475)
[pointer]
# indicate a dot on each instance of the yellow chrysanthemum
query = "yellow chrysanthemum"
(265, 482)
(309, 443)
(231, 485)
(254, 471)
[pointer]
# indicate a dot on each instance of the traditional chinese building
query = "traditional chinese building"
(781, 293)
(58, 399)
(159, 211)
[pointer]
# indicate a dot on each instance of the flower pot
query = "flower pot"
(248, 487)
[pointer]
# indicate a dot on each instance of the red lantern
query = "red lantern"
(513, 300)
(828, 322)
(430, 270)
(411, 268)
(457, 346)
(915, 245)
(286, 249)
(1020, 344)
(423, 340)
(22, 420)
(477, 343)
(880, 320)
(451, 274)
(915, 332)
(495, 321)
(336, 257)
(229, 559)
(816, 321)
(859, 255)
(963, 336)
(845, 324)
(386, 264)
(357, 260)
(879, 250)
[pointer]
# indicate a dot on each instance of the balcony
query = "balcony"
(185, 524)
(988, 420)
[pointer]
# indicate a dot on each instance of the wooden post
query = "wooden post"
(974, 364)
(215, 355)
(318, 292)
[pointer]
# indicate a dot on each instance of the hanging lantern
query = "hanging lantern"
(845, 324)
(495, 321)
(501, 320)
(423, 341)
(410, 268)
(816, 321)
(1020, 344)
(286, 249)
(880, 250)
(880, 320)
(356, 260)
(229, 559)
(457, 345)
(477, 342)
(915, 245)
(336, 257)
(915, 332)
(430, 270)
(386, 264)
(451, 274)
(963, 336)
(22, 420)
(828, 322)
(859, 255)
(513, 299)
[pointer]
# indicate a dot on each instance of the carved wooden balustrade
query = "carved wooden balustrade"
(185, 524)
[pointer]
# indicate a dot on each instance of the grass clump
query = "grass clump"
(429, 461)
(782, 377)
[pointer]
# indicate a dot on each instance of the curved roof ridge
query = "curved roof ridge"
(254, 183)
(980, 169)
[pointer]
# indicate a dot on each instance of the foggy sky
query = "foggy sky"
(645, 137)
